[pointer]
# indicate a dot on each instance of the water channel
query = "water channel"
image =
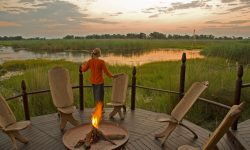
(8, 54)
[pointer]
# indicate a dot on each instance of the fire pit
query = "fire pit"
(96, 135)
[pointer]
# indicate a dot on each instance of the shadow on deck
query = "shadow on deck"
(141, 125)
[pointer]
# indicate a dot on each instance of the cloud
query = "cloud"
(52, 18)
(231, 30)
(183, 27)
(227, 1)
(23, 6)
(238, 8)
(213, 22)
(238, 22)
(154, 16)
(230, 22)
(193, 4)
(232, 4)
(28, 1)
(116, 14)
(97, 20)
(149, 10)
(177, 6)
(8, 24)
(243, 6)
(245, 0)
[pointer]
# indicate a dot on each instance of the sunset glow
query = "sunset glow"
(57, 18)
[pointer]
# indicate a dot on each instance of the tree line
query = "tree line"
(153, 35)
(9, 38)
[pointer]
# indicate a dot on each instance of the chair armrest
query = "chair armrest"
(164, 119)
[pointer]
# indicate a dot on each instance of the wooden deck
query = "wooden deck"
(141, 125)
(242, 135)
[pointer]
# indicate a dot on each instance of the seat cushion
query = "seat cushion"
(17, 126)
(67, 110)
(115, 104)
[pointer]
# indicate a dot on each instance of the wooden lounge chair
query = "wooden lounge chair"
(219, 132)
(119, 90)
(62, 95)
(181, 109)
(9, 125)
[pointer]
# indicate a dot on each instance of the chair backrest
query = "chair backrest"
(6, 115)
(188, 100)
(60, 86)
(119, 89)
(224, 126)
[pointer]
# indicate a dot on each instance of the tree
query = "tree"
(157, 35)
(69, 37)
(142, 36)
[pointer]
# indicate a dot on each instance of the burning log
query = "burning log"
(95, 135)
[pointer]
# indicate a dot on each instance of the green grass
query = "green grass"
(115, 45)
(236, 51)
(163, 75)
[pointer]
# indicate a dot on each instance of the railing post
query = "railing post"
(25, 101)
(81, 99)
(182, 75)
(133, 89)
(238, 92)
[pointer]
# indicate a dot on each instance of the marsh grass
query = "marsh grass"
(235, 50)
(114, 45)
(164, 75)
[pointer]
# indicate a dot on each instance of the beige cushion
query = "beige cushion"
(67, 110)
(188, 100)
(6, 115)
(60, 86)
(18, 126)
(115, 104)
(119, 89)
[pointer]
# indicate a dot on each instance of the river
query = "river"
(8, 54)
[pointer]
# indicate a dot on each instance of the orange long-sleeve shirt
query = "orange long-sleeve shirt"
(97, 67)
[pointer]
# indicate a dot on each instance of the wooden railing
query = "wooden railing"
(133, 86)
(238, 87)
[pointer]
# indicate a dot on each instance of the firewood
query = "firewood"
(105, 138)
(79, 143)
(95, 135)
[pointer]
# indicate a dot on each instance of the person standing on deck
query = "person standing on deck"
(97, 67)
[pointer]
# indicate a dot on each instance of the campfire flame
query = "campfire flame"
(95, 134)
(97, 115)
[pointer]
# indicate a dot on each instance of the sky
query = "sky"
(57, 18)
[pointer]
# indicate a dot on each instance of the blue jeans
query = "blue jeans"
(98, 91)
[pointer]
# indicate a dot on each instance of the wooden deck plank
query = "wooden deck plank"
(243, 134)
(141, 125)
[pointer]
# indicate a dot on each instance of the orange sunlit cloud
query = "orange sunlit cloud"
(8, 24)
